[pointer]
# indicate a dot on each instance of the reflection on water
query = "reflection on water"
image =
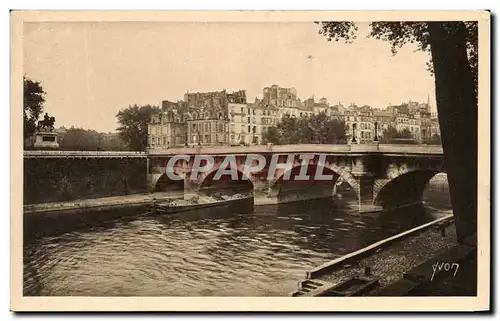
(211, 252)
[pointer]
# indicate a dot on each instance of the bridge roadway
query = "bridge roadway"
(386, 149)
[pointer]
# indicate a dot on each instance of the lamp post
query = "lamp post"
(375, 138)
(353, 140)
(197, 135)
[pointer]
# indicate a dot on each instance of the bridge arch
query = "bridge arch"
(243, 184)
(279, 186)
(404, 189)
(166, 184)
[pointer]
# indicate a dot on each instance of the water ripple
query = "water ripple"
(221, 254)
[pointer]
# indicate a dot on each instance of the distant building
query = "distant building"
(238, 114)
(290, 111)
(384, 120)
(304, 112)
(248, 122)
(280, 97)
(207, 131)
(410, 123)
(202, 118)
(209, 100)
(167, 129)
(219, 117)
(435, 130)
(309, 103)
(316, 107)
(359, 120)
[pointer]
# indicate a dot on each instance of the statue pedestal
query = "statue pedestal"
(46, 140)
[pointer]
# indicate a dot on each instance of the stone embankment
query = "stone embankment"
(139, 200)
(403, 263)
(99, 203)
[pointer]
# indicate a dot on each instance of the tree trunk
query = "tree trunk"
(457, 112)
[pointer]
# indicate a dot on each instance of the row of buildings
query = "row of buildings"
(223, 118)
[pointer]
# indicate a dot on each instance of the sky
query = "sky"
(91, 70)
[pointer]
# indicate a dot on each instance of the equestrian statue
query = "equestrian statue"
(47, 124)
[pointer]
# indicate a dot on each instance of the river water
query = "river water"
(211, 252)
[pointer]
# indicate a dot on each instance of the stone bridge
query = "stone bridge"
(381, 176)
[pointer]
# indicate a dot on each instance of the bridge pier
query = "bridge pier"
(366, 181)
(260, 187)
(366, 197)
(152, 179)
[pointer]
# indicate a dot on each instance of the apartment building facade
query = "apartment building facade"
(223, 118)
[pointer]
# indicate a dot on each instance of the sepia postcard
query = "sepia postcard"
(250, 160)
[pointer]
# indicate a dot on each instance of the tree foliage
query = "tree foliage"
(85, 139)
(316, 129)
(433, 140)
(272, 135)
(339, 30)
(392, 136)
(134, 125)
(33, 100)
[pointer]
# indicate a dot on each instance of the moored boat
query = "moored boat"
(195, 203)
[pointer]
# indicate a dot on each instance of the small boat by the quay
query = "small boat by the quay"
(200, 202)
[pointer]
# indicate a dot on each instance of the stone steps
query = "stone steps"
(354, 286)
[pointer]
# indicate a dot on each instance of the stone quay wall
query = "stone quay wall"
(66, 179)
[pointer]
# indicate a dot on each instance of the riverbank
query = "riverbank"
(404, 265)
(100, 203)
(134, 200)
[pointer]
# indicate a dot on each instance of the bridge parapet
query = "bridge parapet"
(255, 149)
(302, 148)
